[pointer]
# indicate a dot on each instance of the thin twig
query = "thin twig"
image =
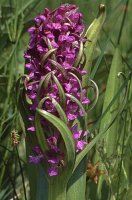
(23, 181)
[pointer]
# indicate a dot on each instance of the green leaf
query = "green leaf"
(92, 34)
(67, 138)
(96, 95)
(37, 179)
(58, 66)
(44, 82)
(57, 189)
(112, 134)
(77, 184)
(113, 85)
(77, 102)
(97, 64)
(79, 83)
(61, 91)
(50, 47)
(83, 153)
(75, 71)
(81, 107)
(40, 133)
(60, 111)
(79, 56)
(48, 54)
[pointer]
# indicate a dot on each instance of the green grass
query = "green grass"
(111, 118)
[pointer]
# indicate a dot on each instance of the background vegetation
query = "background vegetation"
(111, 117)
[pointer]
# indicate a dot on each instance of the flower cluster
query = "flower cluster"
(55, 43)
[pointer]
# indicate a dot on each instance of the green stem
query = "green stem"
(56, 190)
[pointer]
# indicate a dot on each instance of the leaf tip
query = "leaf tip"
(102, 8)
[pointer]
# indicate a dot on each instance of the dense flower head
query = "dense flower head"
(52, 53)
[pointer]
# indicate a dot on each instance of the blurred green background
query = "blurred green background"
(15, 18)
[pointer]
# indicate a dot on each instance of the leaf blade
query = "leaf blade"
(67, 138)
(92, 35)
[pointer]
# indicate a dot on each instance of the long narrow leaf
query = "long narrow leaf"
(67, 138)
(113, 85)
(92, 34)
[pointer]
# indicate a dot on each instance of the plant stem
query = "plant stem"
(56, 190)
(123, 20)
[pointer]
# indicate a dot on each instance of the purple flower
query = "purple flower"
(55, 41)
(35, 159)
(52, 142)
(79, 137)
(53, 171)
(55, 155)
(32, 129)
(38, 157)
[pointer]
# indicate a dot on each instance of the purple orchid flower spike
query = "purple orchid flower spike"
(55, 69)
(53, 101)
